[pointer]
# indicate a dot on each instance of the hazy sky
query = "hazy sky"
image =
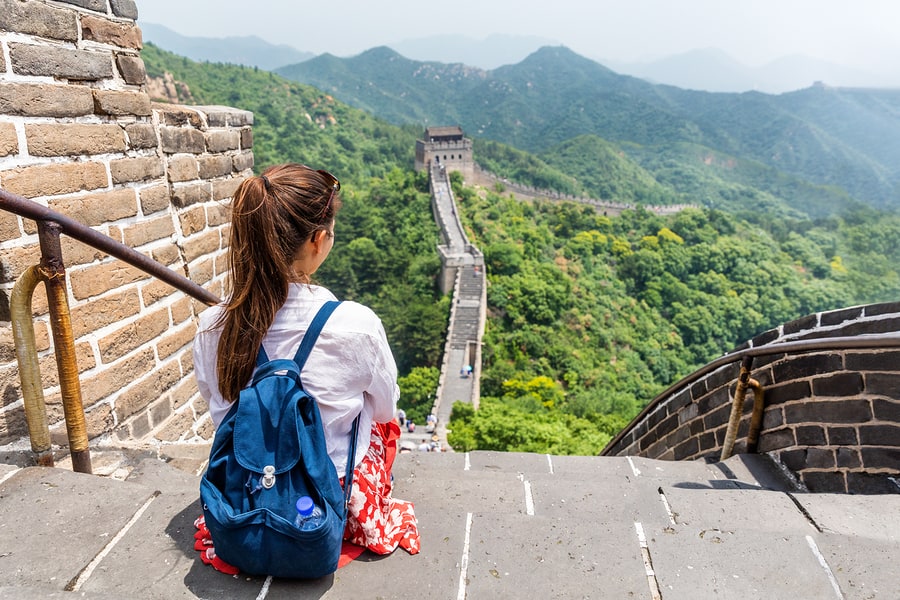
(859, 33)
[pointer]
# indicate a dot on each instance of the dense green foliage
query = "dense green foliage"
(589, 316)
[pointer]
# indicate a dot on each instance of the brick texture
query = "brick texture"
(45, 100)
(74, 139)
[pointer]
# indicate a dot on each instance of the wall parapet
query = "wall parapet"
(80, 135)
(831, 417)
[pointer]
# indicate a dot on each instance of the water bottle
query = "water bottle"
(309, 516)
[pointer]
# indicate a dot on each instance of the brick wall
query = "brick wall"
(831, 417)
(79, 134)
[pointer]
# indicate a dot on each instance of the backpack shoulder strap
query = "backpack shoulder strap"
(312, 334)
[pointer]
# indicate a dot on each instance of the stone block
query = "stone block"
(147, 390)
(45, 100)
(54, 179)
(166, 255)
(96, 314)
(127, 170)
(838, 385)
(883, 384)
(154, 291)
(98, 279)
(133, 335)
(69, 139)
(176, 115)
(212, 167)
(218, 214)
(126, 9)
(76, 253)
(98, 208)
(177, 428)
(183, 167)
(835, 411)
(246, 138)
(193, 221)
(59, 63)
(154, 199)
(224, 189)
(176, 140)
(822, 482)
(39, 19)
(175, 340)
(9, 139)
(243, 161)
(842, 436)
(775, 440)
(9, 226)
(202, 272)
(151, 230)
(141, 136)
(223, 140)
(181, 310)
(160, 410)
(95, 5)
(880, 435)
(183, 392)
(131, 68)
(115, 33)
(14, 261)
(201, 245)
(117, 103)
(226, 116)
(115, 377)
(189, 194)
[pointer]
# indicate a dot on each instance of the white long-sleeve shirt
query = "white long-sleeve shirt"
(350, 370)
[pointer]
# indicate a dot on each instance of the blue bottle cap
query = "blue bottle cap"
(305, 505)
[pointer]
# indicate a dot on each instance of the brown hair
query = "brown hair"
(271, 217)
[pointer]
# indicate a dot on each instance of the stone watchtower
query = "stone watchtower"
(446, 146)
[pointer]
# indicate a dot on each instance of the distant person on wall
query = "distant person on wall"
(282, 229)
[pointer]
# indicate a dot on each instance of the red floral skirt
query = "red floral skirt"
(375, 519)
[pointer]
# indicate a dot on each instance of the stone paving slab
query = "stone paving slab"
(54, 522)
(864, 569)
(737, 509)
(876, 517)
(692, 563)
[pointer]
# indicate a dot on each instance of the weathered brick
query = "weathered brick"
(141, 136)
(9, 139)
(10, 389)
(175, 340)
(801, 324)
(185, 195)
(243, 161)
(836, 317)
(873, 361)
(181, 310)
(54, 179)
(881, 458)
(126, 9)
(202, 272)
(192, 221)
(45, 100)
(820, 458)
(246, 138)
(177, 428)
(788, 392)
(9, 226)
(776, 439)
(128, 170)
(796, 367)
(39, 19)
(183, 392)
(106, 31)
(176, 115)
(223, 140)
(76, 253)
(95, 5)
(151, 230)
(848, 458)
(883, 384)
(872, 483)
(14, 261)
(810, 435)
(166, 255)
(132, 69)
(842, 436)
(160, 410)
(218, 214)
(134, 334)
(223, 189)
(96, 209)
(879, 435)
(886, 410)
(838, 385)
(835, 411)
(99, 313)
(177, 140)
(154, 199)
(215, 166)
(146, 391)
(137, 428)
(824, 482)
(687, 449)
(60, 63)
(84, 360)
(67, 139)
(224, 116)
(13, 426)
(156, 290)
(131, 103)
(98, 279)
(183, 167)
(117, 376)
(98, 420)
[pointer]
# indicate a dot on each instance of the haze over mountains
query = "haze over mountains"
(707, 69)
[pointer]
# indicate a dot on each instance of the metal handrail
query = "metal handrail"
(52, 272)
(75, 230)
(795, 347)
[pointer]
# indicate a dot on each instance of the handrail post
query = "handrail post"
(53, 272)
(737, 407)
(29, 369)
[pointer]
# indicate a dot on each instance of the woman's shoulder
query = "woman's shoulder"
(210, 318)
(354, 315)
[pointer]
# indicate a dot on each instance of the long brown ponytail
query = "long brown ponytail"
(272, 215)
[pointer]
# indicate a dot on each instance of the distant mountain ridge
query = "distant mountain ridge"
(249, 51)
(848, 138)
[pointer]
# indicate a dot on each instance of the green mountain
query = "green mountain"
(832, 138)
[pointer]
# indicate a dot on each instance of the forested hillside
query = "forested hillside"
(589, 316)
(845, 139)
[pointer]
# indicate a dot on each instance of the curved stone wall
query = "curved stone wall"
(832, 417)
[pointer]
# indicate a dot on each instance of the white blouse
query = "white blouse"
(350, 370)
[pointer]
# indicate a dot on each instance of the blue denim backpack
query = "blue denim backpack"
(267, 452)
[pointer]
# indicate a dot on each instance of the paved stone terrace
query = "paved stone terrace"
(493, 525)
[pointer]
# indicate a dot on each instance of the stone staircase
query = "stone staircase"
(493, 525)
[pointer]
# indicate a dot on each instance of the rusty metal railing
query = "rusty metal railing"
(746, 356)
(52, 272)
